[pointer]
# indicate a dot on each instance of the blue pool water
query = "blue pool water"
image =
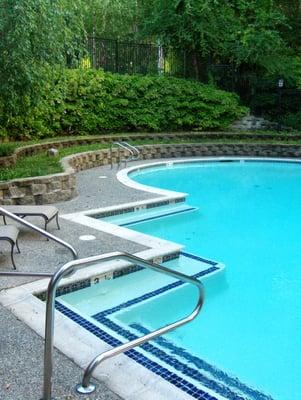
(248, 217)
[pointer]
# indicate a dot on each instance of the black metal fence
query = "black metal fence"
(262, 96)
(132, 58)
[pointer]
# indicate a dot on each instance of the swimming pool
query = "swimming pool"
(247, 217)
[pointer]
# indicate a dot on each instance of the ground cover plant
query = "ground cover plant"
(42, 164)
(7, 149)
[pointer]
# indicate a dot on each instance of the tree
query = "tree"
(251, 35)
(36, 35)
(237, 31)
(111, 19)
(292, 31)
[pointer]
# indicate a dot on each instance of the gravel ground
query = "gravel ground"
(21, 350)
(96, 191)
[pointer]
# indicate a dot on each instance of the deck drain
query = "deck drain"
(87, 237)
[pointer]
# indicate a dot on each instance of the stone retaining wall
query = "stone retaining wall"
(40, 190)
(33, 149)
(61, 187)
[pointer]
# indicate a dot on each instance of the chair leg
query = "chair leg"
(17, 245)
(12, 255)
(4, 219)
(45, 227)
(57, 221)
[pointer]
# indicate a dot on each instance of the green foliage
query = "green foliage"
(35, 36)
(116, 19)
(88, 101)
(243, 31)
(7, 149)
(292, 120)
(254, 36)
(37, 165)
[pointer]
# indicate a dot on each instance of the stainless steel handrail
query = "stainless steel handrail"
(65, 271)
(134, 152)
(39, 230)
(85, 387)
(134, 149)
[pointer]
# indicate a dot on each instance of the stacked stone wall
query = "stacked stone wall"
(62, 187)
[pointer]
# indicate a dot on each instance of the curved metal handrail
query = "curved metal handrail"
(65, 271)
(134, 152)
(85, 387)
(133, 148)
(39, 230)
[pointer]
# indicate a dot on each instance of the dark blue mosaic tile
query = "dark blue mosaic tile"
(217, 387)
(126, 271)
(204, 366)
(167, 214)
(113, 212)
(180, 382)
(152, 294)
(194, 257)
(133, 354)
(158, 204)
(169, 257)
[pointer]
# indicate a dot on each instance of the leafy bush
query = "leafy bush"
(292, 120)
(85, 101)
(7, 149)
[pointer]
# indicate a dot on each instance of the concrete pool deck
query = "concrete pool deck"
(21, 348)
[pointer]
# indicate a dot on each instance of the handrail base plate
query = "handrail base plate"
(85, 390)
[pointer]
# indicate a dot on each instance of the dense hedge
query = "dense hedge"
(88, 101)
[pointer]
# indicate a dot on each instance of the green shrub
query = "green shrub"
(7, 149)
(292, 120)
(88, 101)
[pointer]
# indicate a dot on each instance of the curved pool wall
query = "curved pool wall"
(248, 218)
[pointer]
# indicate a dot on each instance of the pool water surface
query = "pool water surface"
(248, 217)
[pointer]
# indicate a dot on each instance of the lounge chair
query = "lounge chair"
(46, 212)
(10, 234)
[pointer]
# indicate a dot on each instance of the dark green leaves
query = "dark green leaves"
(35, 36)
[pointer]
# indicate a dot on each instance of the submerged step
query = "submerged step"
(142, 215)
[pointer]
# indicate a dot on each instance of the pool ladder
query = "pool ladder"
(86, 387)
(132, 153)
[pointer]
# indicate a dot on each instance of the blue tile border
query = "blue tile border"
(197, 258)
(183, 368)
(102, 318)
(72, 287)
(205, 366)
(153, 293)
(153, 366)
(192, 367)
(127, 210)
(194, 373)
(167, 214)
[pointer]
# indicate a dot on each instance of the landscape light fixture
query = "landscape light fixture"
(280, 83)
